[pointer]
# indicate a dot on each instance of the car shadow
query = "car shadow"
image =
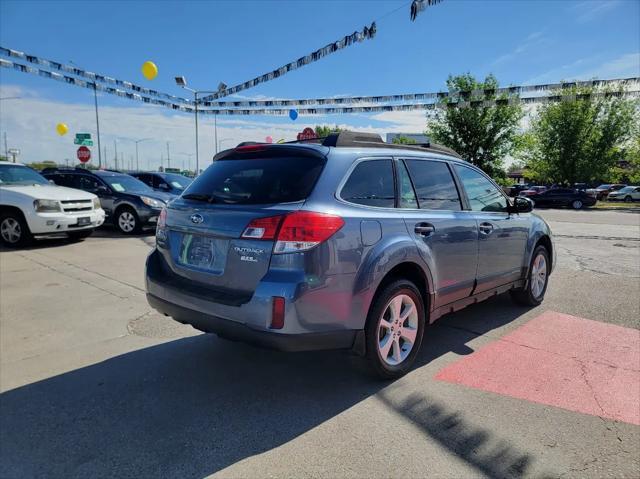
(194, 406)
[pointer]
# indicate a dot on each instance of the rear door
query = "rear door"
(502, 235)
(446, 236)
(205, 225)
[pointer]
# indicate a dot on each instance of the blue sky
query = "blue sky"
(209, 42)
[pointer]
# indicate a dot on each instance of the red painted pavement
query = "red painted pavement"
(563, 361)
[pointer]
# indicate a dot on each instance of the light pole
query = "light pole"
(188, 155)
(95, 101)
(136, 142)
(182, 82)
(6, 150)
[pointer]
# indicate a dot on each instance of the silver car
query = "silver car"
(344, 243)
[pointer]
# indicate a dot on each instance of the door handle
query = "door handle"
(424, 229)
(485, 228)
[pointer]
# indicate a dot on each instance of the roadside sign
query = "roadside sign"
(84, 154)
(307, 134)
(78, 141)
(83, 136)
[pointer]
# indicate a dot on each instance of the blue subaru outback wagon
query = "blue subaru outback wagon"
(347, 242)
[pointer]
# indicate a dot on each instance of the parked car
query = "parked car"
(580, 186)
(602, 191)
(627, 194)
(562, 197)
(30, 206)
(326, 246)
(128, 203)
(171, 183)
(534, 190)
(514, 190)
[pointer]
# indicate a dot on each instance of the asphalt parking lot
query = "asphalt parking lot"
(94, 383)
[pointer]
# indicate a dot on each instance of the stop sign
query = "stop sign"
(84, 154)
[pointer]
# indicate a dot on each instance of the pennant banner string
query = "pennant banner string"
(410, 97)
(451, 103)
(348, 40)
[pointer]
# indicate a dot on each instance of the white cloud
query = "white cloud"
(534, 39)
(624, 66)
(590, 9)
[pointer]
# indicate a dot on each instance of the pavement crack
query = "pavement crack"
(123, 283)
(606, 422)
(83, 281)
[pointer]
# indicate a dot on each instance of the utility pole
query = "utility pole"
(6, 148)
(168, 157)
(115, 146)
(105, 157)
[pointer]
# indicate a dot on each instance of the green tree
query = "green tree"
(325, 130)
(482, 134)
(403, 140)
(581, 137)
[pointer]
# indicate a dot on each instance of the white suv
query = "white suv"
(31, 206)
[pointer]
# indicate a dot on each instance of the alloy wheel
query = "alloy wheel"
(538, 276)
(397, 330)
(577, 204)
(127, 221)
(10, 230)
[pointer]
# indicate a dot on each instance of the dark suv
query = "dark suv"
(350, 243)
(128, 203)
(171, 183)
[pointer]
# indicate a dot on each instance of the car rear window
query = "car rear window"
(257, 180)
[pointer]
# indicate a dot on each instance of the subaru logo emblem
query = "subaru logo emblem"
(197, 219)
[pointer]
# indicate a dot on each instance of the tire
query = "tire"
(14, 231)
(399, 359)
(79, 235)
(533, 293)
(577, 204)
(127, 221)
(628, 199)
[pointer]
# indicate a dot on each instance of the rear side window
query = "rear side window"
(434, 185)
(257, 180)
(371, 183)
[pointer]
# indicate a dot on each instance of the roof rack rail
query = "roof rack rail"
(374, 140)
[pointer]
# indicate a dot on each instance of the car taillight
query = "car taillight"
(162, 218)
(298, 231)
(303, 230)
(262, 228)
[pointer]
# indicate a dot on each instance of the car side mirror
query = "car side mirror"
(102, 189)
(164, 186)
(522, 204)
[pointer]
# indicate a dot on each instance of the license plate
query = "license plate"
(197, 251)
(84, 221)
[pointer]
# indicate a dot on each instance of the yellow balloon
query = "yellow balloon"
(149, 70)
(62, 129)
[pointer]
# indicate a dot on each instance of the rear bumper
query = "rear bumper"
(241, 332)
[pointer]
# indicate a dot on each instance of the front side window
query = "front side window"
(406, 195)
(434, 185)
(371, 183)
(482, 194)
(86, 183)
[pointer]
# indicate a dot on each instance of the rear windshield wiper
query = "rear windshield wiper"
(199, 197)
